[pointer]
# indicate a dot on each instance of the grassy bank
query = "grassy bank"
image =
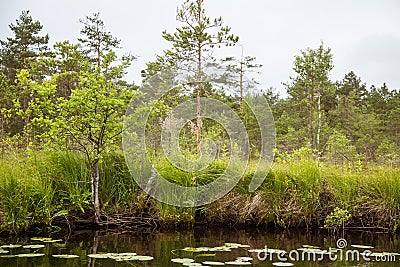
(37, 189)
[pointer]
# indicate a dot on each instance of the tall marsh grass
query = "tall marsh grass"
(297, 192)
(36, 186)
(26, 193)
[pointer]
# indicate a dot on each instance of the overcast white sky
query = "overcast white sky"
(364, 35)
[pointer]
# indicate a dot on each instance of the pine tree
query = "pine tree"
(96, 40)
(194, 43)
(26, 44)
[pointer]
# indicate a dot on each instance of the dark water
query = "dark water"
(164, 246)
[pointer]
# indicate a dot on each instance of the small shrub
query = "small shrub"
(337, 218)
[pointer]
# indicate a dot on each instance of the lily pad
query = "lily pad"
(46, 239)
(144, 258)
(236, 245)
(213, 263)
(203, 249)
(282, 264)
(41, 238)
(11, 246)
(126, 256)
(30, 255)
(34, 246)
(52, 241)
(65, 256)
(99, 256)
(239, 263)
(244, 258)
(267, 250)
(122, 256)
(220, 249)
(189, 249)
(182, 260)
(361, 246)
(199, 249)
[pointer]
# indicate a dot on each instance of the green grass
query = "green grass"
(34, 187)
(71, 181)
(294, 190)
(26, 193)
(117, 188)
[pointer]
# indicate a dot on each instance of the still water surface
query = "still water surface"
(164, 246)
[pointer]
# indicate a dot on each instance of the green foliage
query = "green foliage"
(47, 184)
(293, 189)
(26, 194)
(311, 91)
(18, 51)
(343, 185)
(297, 193)
(171, 216)
(337, 218)
(6, 96)
(339, 149)
(193, 46)
(96, 39)
(198, 34)
(33, 79)
(14, 199)
(382, 187)
(103, 105)
(72, 186)
(234, 79)
(118, 189)
(388, 153)
(180, 177)
(74, 98)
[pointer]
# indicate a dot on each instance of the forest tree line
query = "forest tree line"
(74, 94)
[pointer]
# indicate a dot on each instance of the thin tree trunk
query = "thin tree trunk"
(241, 84)
(26, 122)
(98, 58)
(241, 80)
(319, 125)
(199, 121)
(98, 46)
(311, 120)
(27, 118)
(348, 128)
(3, 129)
(95, 191)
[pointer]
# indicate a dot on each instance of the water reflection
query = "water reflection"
(164, 246)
